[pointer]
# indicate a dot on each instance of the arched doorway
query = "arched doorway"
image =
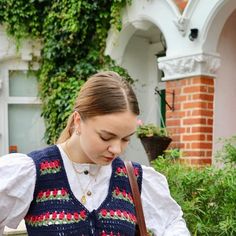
(140, 59)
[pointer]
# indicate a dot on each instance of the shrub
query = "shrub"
(207, 196)
(227, 153)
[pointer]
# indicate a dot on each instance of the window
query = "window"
(25, 125)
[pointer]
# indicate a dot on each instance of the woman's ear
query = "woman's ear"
(77, 121)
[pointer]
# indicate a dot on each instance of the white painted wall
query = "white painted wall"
(13, 59)
(133, 60)
(225, 84)
(140, 61)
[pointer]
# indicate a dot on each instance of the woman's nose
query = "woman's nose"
(115, 148)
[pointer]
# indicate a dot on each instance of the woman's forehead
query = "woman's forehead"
(115, 122)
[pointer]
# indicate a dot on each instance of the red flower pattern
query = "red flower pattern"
(52, 195)
(63, 192)
(50, 167)
(121, 171)
(122, 194)
(54, 217)
(83, 214)
(69, 216)
(122, 215)
(104, 212)
(48, 192)
(61, 215)
(76, 216)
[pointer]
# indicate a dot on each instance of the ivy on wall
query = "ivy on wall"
(73, 34)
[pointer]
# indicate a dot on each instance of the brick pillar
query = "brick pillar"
(191, 124)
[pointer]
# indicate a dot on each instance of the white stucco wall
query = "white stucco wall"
(140, 61)
(225, 84)
(184, 58)
(12, 58)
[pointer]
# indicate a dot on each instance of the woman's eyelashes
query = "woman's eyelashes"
(106, 139)
(126, 139)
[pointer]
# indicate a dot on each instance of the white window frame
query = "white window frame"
(5, 99)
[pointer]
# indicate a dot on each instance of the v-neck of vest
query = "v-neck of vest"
(109, 194)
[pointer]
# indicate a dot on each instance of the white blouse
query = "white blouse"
(17, 181)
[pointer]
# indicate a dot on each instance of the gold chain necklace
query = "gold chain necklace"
(86, 172)
(85, 191)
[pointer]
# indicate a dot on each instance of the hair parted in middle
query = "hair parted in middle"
(103, 93)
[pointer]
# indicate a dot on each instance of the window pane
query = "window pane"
(26, 127)
(22, 84)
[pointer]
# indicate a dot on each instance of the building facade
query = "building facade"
(183, 48)
(197, 37)
(21, 125)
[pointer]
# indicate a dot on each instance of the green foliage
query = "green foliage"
(207, 196)
(116, 12)
(149, 130)
(227, 153)
(60, 101)
(172, 153)
(73, 34)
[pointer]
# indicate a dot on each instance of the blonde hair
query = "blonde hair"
(103, 93)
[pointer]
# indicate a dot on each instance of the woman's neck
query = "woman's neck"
(74, 152)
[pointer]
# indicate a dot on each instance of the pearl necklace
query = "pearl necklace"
(85, 191)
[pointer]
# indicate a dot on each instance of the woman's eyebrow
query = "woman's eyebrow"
(112, 134)
(130, 134)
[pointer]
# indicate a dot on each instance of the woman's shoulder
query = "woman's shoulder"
(154, 179)
(15, 158)
(150, 171)
(16, 164)
(18, 175)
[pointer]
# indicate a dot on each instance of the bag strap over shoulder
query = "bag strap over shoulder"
(136, 198)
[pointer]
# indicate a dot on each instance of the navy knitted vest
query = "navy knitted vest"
(55, 211)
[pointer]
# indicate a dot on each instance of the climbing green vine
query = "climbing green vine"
(73, 35)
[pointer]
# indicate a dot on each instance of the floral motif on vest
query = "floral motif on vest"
(55, 217)
(55, 211)
(55, 194)
(50, 167)
(118, 214)
(122, 194)
(121, 171)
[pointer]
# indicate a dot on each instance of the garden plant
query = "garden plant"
(206, 194)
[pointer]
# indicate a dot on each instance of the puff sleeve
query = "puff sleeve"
(17, 182)
(163, 215)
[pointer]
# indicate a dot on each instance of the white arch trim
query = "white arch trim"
(215, 23)
(141, 14)
(189, 66)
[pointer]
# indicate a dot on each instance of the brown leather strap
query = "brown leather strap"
(136, 198)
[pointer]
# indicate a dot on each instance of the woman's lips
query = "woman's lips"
(109, 158)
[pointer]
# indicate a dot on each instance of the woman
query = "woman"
(80, 186)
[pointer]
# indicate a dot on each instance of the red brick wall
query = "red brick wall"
(191, 123)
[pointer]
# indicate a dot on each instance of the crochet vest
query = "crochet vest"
(55, 211)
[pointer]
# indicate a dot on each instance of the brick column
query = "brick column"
(191, 123)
